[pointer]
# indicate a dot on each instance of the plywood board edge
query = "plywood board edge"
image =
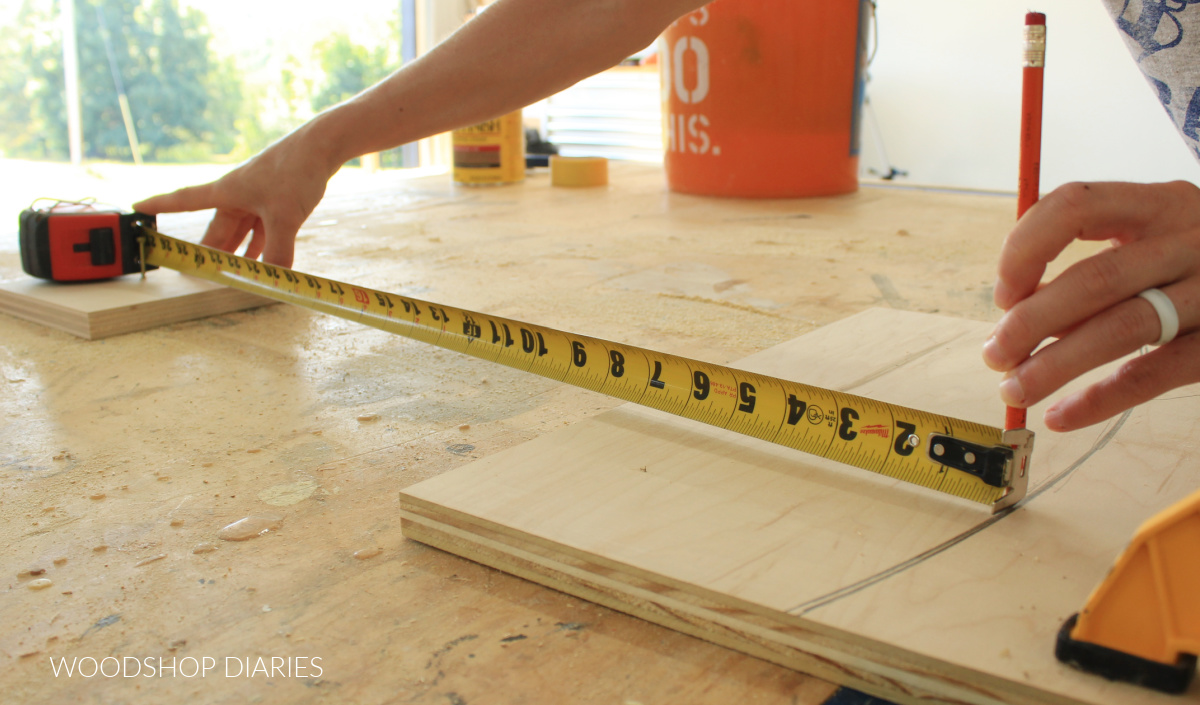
(180, 309)
(787, 640)
(536, 571)
(51, 315)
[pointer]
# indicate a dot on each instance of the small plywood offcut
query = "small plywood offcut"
(124, 305)
(855, 578)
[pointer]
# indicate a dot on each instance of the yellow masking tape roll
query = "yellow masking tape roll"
(578, 171)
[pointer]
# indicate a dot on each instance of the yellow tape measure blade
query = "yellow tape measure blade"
(970, 460)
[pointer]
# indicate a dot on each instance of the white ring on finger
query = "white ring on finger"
(1168, 318)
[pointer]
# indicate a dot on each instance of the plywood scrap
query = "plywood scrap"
(855, 578)
(124, 305)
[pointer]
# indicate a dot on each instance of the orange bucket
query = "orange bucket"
(761, 98)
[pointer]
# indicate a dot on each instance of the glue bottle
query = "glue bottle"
(491, 153)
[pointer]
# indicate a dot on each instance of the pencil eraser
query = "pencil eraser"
(1035, 18)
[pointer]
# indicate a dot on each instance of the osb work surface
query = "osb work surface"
(119, 451)
(860, 579)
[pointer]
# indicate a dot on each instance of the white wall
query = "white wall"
(946, 91)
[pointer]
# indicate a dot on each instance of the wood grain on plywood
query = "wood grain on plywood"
(837, 572)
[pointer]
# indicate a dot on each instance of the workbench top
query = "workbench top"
(121, 459)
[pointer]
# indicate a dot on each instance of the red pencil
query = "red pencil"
(1031, 140)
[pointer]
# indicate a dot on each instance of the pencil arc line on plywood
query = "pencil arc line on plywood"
(1099, 445)
(798, 643)
(828, 599)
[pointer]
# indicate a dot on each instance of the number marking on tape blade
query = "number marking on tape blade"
(869, 434)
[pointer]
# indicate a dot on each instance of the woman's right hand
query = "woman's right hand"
(268, 198)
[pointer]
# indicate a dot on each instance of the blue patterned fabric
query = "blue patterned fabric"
(1164, 38)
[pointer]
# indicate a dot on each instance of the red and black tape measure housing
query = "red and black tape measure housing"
(66, 246)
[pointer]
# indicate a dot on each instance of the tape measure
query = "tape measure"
(980, 463)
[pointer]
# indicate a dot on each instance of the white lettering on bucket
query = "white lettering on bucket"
(698, 144)
(686, 132)
(700, 49)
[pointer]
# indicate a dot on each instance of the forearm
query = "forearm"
(511, 55)
(515, 53)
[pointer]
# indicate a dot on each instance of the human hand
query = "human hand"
(268, 197)
(1093, 307)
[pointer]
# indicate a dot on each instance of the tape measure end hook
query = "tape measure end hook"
(1021, 442)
